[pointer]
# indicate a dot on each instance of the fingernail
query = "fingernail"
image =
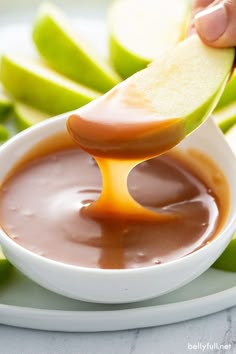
(211, 23)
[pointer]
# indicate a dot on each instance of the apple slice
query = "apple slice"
(32, 83)
(229, 94)
(26, 116)
(142, 30)
(226, 117)
(4, 133)
(227, 261)
(5, 267)
(5, 104)
(65, 51)
(157, 107)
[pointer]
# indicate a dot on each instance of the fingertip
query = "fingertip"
(211, 23)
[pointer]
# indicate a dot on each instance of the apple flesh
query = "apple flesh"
(142, 30)
(187, 81)
(34, 84)
(180, 88)
(63, 48)
(226, 117)
(26, 116)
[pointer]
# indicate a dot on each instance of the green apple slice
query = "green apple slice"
(26, 116)
(172, 97)
(65, 51)
(226, 117)
(187, 81)
(141, 30)
(34, 84)
(227, 261)
(5, 267)
(229, 94)
(5, 104)
(4, 133)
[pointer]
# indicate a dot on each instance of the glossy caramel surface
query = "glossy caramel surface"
(46, 203)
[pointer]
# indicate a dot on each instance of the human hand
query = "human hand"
(215, 22)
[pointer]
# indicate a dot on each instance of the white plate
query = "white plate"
(24, 303)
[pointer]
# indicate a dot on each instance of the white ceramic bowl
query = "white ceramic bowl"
(119, 286)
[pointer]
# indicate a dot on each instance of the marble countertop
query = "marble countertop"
(211, 334)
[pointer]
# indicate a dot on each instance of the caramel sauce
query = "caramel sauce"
(44, 205)
(123, 125)
(122, 130)
(121, 208)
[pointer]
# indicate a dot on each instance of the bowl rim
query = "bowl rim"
(225, 229)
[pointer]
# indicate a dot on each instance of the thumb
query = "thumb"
(216, 24)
